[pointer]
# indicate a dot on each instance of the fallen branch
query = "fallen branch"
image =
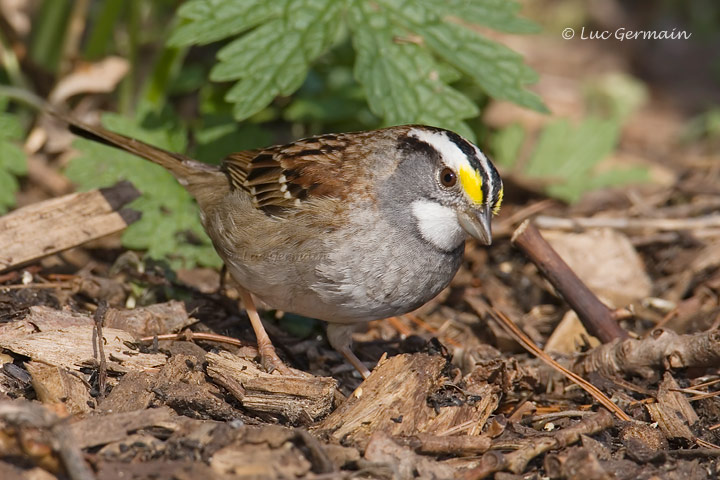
(629, 224)
(598, 319)
(663, 349)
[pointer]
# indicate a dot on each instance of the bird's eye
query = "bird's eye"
(448, 178)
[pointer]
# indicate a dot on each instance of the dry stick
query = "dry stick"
(517, 461)
(599, 320)
(99, 318)
(631, 224)
(189, 335)
(530, 346)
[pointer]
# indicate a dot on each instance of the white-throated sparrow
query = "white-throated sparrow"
(345, 228)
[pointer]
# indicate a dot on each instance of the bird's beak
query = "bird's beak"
(477, 224)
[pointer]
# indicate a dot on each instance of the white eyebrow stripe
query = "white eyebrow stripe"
(492, 188)
(454, 157)
(448, 150)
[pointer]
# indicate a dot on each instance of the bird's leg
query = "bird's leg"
(340, 338)
(269, 359)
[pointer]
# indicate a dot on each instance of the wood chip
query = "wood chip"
(396, 399)
(300, 399)
(672, 412)
(103, 429)
(74, 348)
(41, 229)
(55, 385)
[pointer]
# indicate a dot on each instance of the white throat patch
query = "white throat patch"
(438, 224)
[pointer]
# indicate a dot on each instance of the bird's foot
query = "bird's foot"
(271, 362)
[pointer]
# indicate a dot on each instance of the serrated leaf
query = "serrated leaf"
(168, 211)
(274, 58)
(497, 69)
(401, 80)
(212, 20)
(497, 14)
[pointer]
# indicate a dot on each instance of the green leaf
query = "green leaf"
(170, 227)
(12, 159)
(212, 20)
(274, 58)
(567, 156)
(8, 187)
(407, 53)
(497, 14)
(506, 144)
(500, 71)
(401, 80)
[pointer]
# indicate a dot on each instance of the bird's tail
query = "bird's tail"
(182, 167)
(186, 170)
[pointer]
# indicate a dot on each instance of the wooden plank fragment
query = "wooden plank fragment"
(44, 228)
(300, 399)
(74, 347)
(103, 429)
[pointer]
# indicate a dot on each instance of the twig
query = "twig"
(99, 318)
(189, 336)
(70, 453)
(628, 224)
(517, 461)
(507, 225)
(597, 318)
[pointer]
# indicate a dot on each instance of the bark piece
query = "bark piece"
(133, 392)
(42, 318)
(405, 463)
(579, 464)
(55, 385)
(662, 349)
(407, 395)
(103, 429)
(74, 348)
(168, 317)
(297, 398)
(642, 442)
(672, 412)
(41, 229)
(269, 455)
(157, 470)
(182, 386)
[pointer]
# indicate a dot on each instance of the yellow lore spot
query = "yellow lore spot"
(472, 184)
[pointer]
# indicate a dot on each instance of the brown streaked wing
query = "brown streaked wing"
(280, 177)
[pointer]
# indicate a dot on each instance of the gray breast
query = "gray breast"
(384, 271)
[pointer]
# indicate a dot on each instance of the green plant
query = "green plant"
(408, 52)
(279, 69)
(169, 227)
(12, 158)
